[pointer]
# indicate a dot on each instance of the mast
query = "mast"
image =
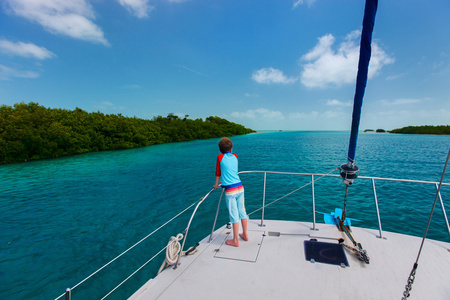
(349, 171)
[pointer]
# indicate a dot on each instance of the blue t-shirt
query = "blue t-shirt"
(227, 169)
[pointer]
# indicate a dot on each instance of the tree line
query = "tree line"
(427, 129)
(31, 131)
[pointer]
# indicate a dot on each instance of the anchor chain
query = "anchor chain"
(408, 286)
(357, 248)
(360, 253)
(344, 212)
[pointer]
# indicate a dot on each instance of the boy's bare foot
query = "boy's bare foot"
(244, 237)
(232, 243)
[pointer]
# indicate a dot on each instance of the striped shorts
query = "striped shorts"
(234, 198)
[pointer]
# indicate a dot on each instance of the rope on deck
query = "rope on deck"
(153, 232)
(172, 250)
(296, 190)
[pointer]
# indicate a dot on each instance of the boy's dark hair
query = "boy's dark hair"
(225, 145)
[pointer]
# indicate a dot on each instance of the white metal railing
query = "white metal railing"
(314, 177)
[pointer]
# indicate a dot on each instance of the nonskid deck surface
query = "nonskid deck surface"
(274, 267)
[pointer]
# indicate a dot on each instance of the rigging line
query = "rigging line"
(129, 248)
(293, 191)
(148, 261)
(412, 275)
(434, 205)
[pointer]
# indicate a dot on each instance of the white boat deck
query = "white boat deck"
(274, 267)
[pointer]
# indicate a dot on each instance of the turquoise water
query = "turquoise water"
(62, 219)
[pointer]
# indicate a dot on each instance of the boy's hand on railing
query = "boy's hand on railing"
(217, 183)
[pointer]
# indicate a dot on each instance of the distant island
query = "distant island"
(378, 130)
(427, 129)
(31, 131)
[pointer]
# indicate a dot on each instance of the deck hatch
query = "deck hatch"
(327, 253)
(247, 251)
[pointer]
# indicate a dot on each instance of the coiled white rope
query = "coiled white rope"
(173, 249)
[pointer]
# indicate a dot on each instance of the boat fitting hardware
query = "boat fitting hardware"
(349, 173)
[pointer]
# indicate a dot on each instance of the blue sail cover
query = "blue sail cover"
(363, 68)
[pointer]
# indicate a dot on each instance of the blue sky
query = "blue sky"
(269, 65)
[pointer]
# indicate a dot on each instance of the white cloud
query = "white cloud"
(6, 73)
(190, 70)
(265, 119)
(401, 101)
(258, 113)
(24, 50)
(71, 18)
(327, 67)
(335, 102)
(106, 105)
(301, 2)
(319, 118)
(336, 115)
(271, 75)
(395, 76)
(301, 115)
(378, 59)
(252, 95)
(139, 8)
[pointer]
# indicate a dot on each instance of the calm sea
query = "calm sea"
(62, 219)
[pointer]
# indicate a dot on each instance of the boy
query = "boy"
(227, 171)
